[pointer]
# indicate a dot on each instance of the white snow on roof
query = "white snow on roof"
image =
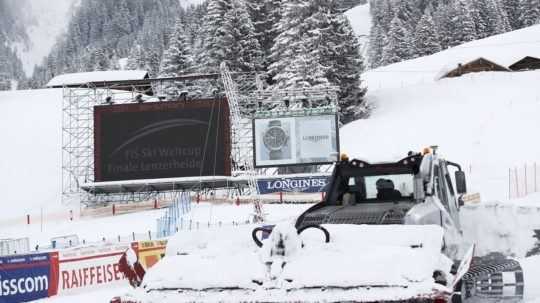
(82, 78)
(505, 49)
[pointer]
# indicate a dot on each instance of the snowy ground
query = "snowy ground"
(94, 230)
(30, 157)
(102, 296)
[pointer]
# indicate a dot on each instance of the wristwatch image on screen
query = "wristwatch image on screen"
(275, 138)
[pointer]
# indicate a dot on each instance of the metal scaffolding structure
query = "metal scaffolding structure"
(248, 98)
(242, 141)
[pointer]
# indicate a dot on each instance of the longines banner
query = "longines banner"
(162, 140)
(312, 184)
(295, 140)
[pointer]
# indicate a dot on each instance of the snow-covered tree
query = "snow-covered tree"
(530, 12)
(426, 39)
(489, 18)
(341, 56)
(240, 48)
(512, 10)
(304, 71)
(264, 15)
(463, 23)
(398, 44)
(444, 24)
(136, 58)
(177, 58)
(286, 46)
(213, 53)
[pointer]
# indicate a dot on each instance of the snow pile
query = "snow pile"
(382, 254)
(362, 255)
(501, 227)
(531, 272)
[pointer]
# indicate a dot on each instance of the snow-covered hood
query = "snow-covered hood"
(361, 257)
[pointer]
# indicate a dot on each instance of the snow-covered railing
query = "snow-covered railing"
(168, 223)
(523, 180)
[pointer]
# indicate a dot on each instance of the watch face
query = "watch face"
(274, 138)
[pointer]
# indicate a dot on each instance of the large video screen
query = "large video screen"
(162, 140)
(295, 140)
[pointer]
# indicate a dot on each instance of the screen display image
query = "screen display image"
(295, 140)
(162, 140)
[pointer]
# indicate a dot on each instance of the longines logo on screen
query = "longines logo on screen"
(316, 139)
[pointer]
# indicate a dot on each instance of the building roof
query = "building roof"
(105, 76)
(472, 66)
(524, 61)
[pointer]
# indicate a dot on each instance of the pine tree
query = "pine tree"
(512, 9)
(212, 52)
(426, 40)
(304, 71)
(239, 47)
(177, 58)
(530, 12)
(408, 12)
(291, 30)
(136, 58)
(398, 46)
(341, 55)
(444, 24)
(264, 15)
(377, 39)
(462, 22)
(488, 18)
(382, 14)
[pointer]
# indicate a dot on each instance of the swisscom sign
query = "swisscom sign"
(162, 140)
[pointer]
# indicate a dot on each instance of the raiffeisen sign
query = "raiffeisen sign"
(311, 184)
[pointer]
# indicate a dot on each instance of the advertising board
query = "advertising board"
(26, 278)
(161, 140)
(149, 252)
(308, 184)
(89, 268)
(295, 140)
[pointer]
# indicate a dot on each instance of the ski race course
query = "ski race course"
(485, 121)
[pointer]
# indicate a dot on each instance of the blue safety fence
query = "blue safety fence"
(167, 225)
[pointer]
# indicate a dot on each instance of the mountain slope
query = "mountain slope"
(503, 49)
(484, 121)
(47, 21)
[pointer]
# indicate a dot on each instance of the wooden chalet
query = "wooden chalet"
(475, 66)
(527, 63)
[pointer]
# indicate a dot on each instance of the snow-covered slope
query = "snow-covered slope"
(485, 121)
(186, 3)
(50, 19)
(504, 49)
(360, 19)
(30, 157)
